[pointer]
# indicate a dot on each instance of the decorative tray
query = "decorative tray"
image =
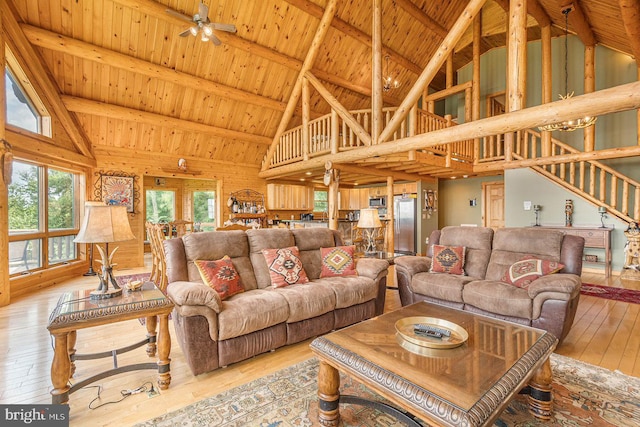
(451, 335)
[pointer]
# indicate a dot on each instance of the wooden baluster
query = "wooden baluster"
(625, 197)
(603, 185)
(636, 203)
(572, 174)
(592, 180)
(581, 184)
(614, 192)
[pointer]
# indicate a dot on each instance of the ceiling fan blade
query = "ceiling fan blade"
(179, 15)
(223, 27)
(203, 11)
(185, 33)
(216, 41)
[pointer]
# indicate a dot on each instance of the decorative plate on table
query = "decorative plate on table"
(451, 335)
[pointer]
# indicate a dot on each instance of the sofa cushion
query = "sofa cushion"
(285, 267)
(251, 311)
(211, 245)
(308, 300)
(477, 240)
(268, 238)
(350, 290)
(221, 276)
(442, 286)
(309, 241)
(448, 259)
(528, 269)
(498, 297)
(338, 261)
(512, 244)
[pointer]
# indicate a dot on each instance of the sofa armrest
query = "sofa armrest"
(413, 265)
(192, 293)
(371, 267)
(557, 283)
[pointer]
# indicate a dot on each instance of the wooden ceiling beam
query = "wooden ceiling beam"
(533, 8)
(420, 16)
(346, 28)
(43, 79)
(159, 11)
(359, 170)
(102, 109)
(579, 23)
(619, 98)
(40, 148)
(80, 49)
(630, 11)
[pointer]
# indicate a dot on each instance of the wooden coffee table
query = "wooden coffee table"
(76, 310)
(467, 385)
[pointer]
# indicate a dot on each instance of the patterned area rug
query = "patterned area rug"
(610, 292)
(584, 395)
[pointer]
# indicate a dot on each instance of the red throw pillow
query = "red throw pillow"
(285, 267)
(221, 276)
(448, 259)
(338, 261)
(528, 269)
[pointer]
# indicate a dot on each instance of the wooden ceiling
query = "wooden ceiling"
(133, 82)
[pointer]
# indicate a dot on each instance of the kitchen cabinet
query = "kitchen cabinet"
(405, 187)
(289, 197)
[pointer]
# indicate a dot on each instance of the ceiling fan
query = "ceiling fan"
(202, 25)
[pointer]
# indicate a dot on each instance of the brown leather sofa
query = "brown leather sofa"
(549, 303)
(214, 333)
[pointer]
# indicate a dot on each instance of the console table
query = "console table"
(76, 310)
(594, 237)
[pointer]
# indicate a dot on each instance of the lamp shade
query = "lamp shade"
(369, 218)
(104, 224)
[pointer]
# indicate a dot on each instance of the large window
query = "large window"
(161, 206)
(43, 217)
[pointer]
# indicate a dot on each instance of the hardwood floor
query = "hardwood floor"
(605, 333)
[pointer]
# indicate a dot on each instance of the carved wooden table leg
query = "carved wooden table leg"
(540, 397)
(328, 395)
(71, 349)
(164, 349)
(60, 370)
(151, 323)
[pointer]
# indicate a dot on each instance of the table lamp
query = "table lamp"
(537, 209)
(603, 212)
(369, 221)
(105, 224)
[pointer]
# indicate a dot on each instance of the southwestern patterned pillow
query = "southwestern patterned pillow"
(221, 276)
(448, 259)
(338, 261)
(528, 269)
(285, 267)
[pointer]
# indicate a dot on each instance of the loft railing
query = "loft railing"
(291, 147)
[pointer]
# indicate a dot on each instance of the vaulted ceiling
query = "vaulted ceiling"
(133, 82)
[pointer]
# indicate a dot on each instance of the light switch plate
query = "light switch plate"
(527, 205)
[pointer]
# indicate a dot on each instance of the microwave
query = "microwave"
(378, 202)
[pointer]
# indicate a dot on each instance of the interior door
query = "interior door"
(493, 204)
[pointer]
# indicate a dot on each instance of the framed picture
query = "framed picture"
(118, 190)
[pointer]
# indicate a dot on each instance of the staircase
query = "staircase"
(591, 180)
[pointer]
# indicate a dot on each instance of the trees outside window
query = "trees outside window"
(160, 205)
(204, 209)
(320, 201)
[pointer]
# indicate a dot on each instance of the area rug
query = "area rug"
(610, 292)
(584, 395)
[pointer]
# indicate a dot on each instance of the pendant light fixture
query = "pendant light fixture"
(582, 122)
(389, 82)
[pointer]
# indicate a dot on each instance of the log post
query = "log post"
(449, 71)
(589, 87)
(335, 131)
(516, 65)
(376, 73)
(4, 195)
(389, 238)
(475, 88)
(547, 90)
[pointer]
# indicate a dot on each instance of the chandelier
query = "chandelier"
(389, 82)
(568, 125)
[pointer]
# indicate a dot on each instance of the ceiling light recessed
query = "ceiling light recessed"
(308, 173)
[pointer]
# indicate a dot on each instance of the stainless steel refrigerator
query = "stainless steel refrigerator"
(404, 227)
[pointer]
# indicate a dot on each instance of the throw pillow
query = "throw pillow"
(285, 267)
(221, 276)
(528, 269)
(448, 259)
(338, 261)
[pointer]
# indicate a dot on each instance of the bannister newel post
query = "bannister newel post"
(516, 65)
(475, 80)
(305, 119)
(589, 87)
(335, 131)
(546, 82)
(376, 73)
